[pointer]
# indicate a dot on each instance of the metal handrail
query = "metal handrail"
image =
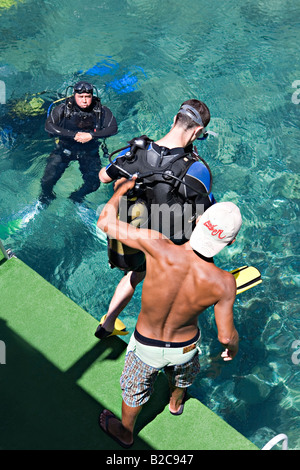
(276, 440)
(3, 250)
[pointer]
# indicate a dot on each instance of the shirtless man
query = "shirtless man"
(180, 283)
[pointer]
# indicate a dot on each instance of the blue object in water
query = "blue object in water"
(100, 69)
(128, 83)
(104, 67)
(125, 84)
(6, 137)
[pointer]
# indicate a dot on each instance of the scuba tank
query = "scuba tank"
(145, 178)
(135, 212)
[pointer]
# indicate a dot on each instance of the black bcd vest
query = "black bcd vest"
(157, 194)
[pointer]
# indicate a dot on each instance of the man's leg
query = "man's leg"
(180, 377)
(137, 381)
(121, 298)
(177, 396)
(89, 165)
(122, 430)
(56, 165)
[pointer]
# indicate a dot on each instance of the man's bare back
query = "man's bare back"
(179, 285)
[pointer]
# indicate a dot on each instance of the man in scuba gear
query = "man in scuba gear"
(78, 123)
(172, 174)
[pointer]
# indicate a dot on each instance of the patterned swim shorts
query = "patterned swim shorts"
(138, 378)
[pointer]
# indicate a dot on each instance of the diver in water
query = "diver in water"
(77, 123)
(171, 175)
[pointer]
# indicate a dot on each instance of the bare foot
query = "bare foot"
(113, 427)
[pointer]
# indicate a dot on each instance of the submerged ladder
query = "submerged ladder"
(275, 440)
(6, 253)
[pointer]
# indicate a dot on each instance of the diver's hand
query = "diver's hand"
(83, 137)
(123, 185)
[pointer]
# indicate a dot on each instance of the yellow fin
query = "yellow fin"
(119, 329)
(246, 277)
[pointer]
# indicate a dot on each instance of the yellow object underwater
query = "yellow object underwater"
(119, 329)
(6, 4)
(34, 107)
(246, 277)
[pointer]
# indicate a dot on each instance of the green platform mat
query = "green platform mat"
(58, 377)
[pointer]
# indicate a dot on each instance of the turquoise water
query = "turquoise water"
(146, 58)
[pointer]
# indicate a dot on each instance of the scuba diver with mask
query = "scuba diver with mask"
(170, 174)
(77, 124)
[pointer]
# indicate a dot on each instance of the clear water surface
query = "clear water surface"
(242, 59)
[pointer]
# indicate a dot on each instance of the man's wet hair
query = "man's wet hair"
(186, 121)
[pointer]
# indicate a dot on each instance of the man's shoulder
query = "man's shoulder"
(197, 174)
(227, 284)
(57, 113)
(197, 169)
(104, 109)
(59, 108)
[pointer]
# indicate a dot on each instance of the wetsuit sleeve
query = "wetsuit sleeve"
(53, 123)
(109, 126)
(112, 171)
(198, 178)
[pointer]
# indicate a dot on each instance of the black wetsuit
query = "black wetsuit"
(64, 121)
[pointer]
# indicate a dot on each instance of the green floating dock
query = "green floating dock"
(57, 377)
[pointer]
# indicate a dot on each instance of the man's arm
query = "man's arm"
(52, 124)
(111, 172)
(53, 127)
(227, 334)
(141, 239)
(103, 176)
(109, 127)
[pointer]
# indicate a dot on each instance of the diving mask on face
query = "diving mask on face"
(83, 87)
